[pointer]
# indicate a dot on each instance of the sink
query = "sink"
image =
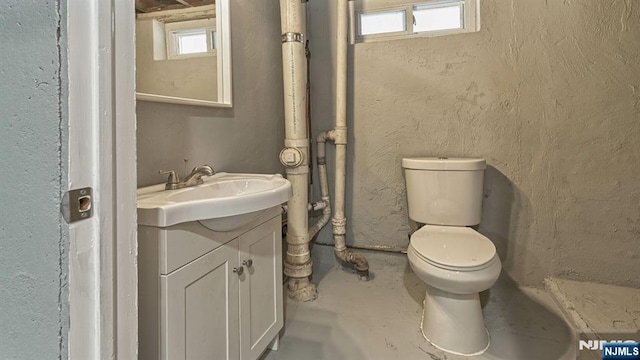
(224, 202)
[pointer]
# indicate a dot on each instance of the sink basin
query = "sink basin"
(225, 201)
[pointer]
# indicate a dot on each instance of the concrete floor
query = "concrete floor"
(380, 319)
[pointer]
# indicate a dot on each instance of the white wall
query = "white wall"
(34, 309)
(548, 92)
(246, 138)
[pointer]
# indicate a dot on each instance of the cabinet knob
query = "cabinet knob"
(238, 270)
(247, 262)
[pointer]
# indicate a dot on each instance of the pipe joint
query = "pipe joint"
(339, 229)
(298, 251)
(322, 137)
(339, 136)
(301, 289)
(355, 261)
(297, 239)
(339, 221)
(339, 248)
(339, 226)
(298, 270)
(320, 205)
(293, 37)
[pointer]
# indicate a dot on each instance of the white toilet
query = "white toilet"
(455, 261)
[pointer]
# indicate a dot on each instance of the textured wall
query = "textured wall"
(548, 92)
(246, 138)
(33, 238)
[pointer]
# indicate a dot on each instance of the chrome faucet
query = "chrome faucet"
(195, 178)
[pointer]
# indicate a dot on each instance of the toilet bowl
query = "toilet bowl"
(455, 261)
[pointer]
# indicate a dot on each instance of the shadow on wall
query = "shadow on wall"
(505, 217)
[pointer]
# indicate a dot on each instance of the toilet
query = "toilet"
(454, 260)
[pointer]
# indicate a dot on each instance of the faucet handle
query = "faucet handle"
(173, 177)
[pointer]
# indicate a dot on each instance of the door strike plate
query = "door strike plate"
(77, 204)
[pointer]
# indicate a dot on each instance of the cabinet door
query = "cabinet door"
(199, 308)
(261, 309)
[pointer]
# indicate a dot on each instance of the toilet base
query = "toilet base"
(454, 322)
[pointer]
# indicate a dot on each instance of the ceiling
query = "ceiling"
(145, 6)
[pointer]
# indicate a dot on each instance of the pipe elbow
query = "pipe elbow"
(362, 266)
(360, 262)
(322, 137)
(355, 261)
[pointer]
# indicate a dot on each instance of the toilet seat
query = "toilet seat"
(453, 247)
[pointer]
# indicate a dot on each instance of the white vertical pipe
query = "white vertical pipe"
(298, 264)
(352, 23)
(341, 65)
(339, 136)
(340, 130)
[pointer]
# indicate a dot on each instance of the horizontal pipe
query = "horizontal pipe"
(319, 205)
(382, 248)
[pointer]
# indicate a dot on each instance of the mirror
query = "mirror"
(183, 52)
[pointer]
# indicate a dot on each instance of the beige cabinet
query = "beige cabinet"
(225, 303)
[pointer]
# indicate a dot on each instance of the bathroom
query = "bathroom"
(532, 93)
(548, 93)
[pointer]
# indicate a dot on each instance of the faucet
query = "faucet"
(194, 178)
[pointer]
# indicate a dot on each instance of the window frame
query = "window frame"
(470, 20)
(173, 29)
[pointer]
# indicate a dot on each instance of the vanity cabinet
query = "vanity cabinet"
(210, 295)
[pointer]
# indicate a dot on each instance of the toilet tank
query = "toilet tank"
(444, 191)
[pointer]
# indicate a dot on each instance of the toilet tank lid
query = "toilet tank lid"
(443, 163)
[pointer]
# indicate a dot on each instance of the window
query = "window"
(191, 41)
(437, 18)
(382, 22)
(191, 38)
(427, 18)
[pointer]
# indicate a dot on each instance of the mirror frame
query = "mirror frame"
(223, 38)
